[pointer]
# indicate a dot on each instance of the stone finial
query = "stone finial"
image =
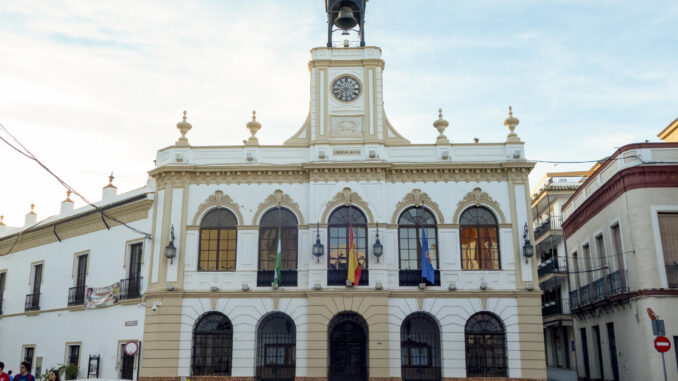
(110, 183)
(1, 221)
(32, 208)
(440, 125)
(183, 127)
(511, 123)
(31, 217)
(253, 126)
(68, 195)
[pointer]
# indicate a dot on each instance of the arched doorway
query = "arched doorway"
(348, 348)
(420, 348)
(276, 347)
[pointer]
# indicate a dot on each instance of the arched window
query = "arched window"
(276, 346)
(485, 346)
(479, 239)
(340, 223)
(420, 348)
(286, 221)
(218, 241)
(212, 345)
(410, 224)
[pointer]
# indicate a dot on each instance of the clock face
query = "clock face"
(346, 88)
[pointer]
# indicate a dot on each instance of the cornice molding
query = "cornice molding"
(341, 171)
(664, 176)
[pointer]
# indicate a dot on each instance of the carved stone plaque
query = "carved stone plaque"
(347, 126)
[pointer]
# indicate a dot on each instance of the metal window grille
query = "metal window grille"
(479, 240)
(212, 345)
(339, 238)
(420, 348)
(348, 348)
(76, 295)
(218, 241)
(485, 347)
(276, 347)
(130, 288)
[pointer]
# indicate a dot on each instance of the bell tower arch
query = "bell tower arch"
(345, 15)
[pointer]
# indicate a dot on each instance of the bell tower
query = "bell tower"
(345, 15)
(347, 103)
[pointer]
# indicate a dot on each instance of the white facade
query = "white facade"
(52, 325)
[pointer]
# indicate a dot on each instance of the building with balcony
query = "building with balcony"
(47, 270)
(621, 226)
(547, 198)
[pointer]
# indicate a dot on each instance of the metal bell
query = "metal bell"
(345, 19)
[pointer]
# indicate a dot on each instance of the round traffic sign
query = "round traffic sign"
(662, 344)
(131, 347)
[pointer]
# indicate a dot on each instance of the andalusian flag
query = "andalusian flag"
(354, 269)
(278, 262)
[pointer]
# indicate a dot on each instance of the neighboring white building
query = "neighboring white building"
(548, 197)
(621, 227)
(45, 269)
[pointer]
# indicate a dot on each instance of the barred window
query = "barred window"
(276, 348)
(410, 224)
(268, 239)
(420, 348)
(218, 241)
(212, 345)
(479, 239)
(485, 346)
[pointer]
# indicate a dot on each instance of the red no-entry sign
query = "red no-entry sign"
(662, 344)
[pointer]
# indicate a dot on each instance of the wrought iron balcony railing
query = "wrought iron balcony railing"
(337, 277)
(287, 278)
(130, 288)
(551, 223)
(413, 278)
(76, 295)
(599, 290)
(32, 302)
(552, 266)
(555, 307)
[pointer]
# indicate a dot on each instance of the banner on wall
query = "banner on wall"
(96, 297)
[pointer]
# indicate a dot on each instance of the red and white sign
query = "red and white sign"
(131, 347)
(662, 344)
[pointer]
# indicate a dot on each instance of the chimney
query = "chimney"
(67, 204)
(110, 190)
(31, 217)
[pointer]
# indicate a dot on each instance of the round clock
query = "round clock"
(346, 88)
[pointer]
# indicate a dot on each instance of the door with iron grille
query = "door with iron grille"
(276, 346)
(348, 348)
(420, 348)
(126, 365)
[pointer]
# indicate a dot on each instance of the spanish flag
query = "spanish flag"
(354, 269)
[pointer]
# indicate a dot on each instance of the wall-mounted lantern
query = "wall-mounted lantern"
(528, 249)
(318, 248)
(377, 248)
(170, 250)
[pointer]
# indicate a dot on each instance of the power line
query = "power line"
(25, 152)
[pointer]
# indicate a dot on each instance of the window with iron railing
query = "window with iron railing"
(668, 229)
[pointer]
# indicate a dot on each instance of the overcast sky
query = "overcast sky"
(94, 87)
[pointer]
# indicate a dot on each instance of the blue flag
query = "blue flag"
(427, 271)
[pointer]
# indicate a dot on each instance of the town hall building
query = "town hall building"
(246, 270)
